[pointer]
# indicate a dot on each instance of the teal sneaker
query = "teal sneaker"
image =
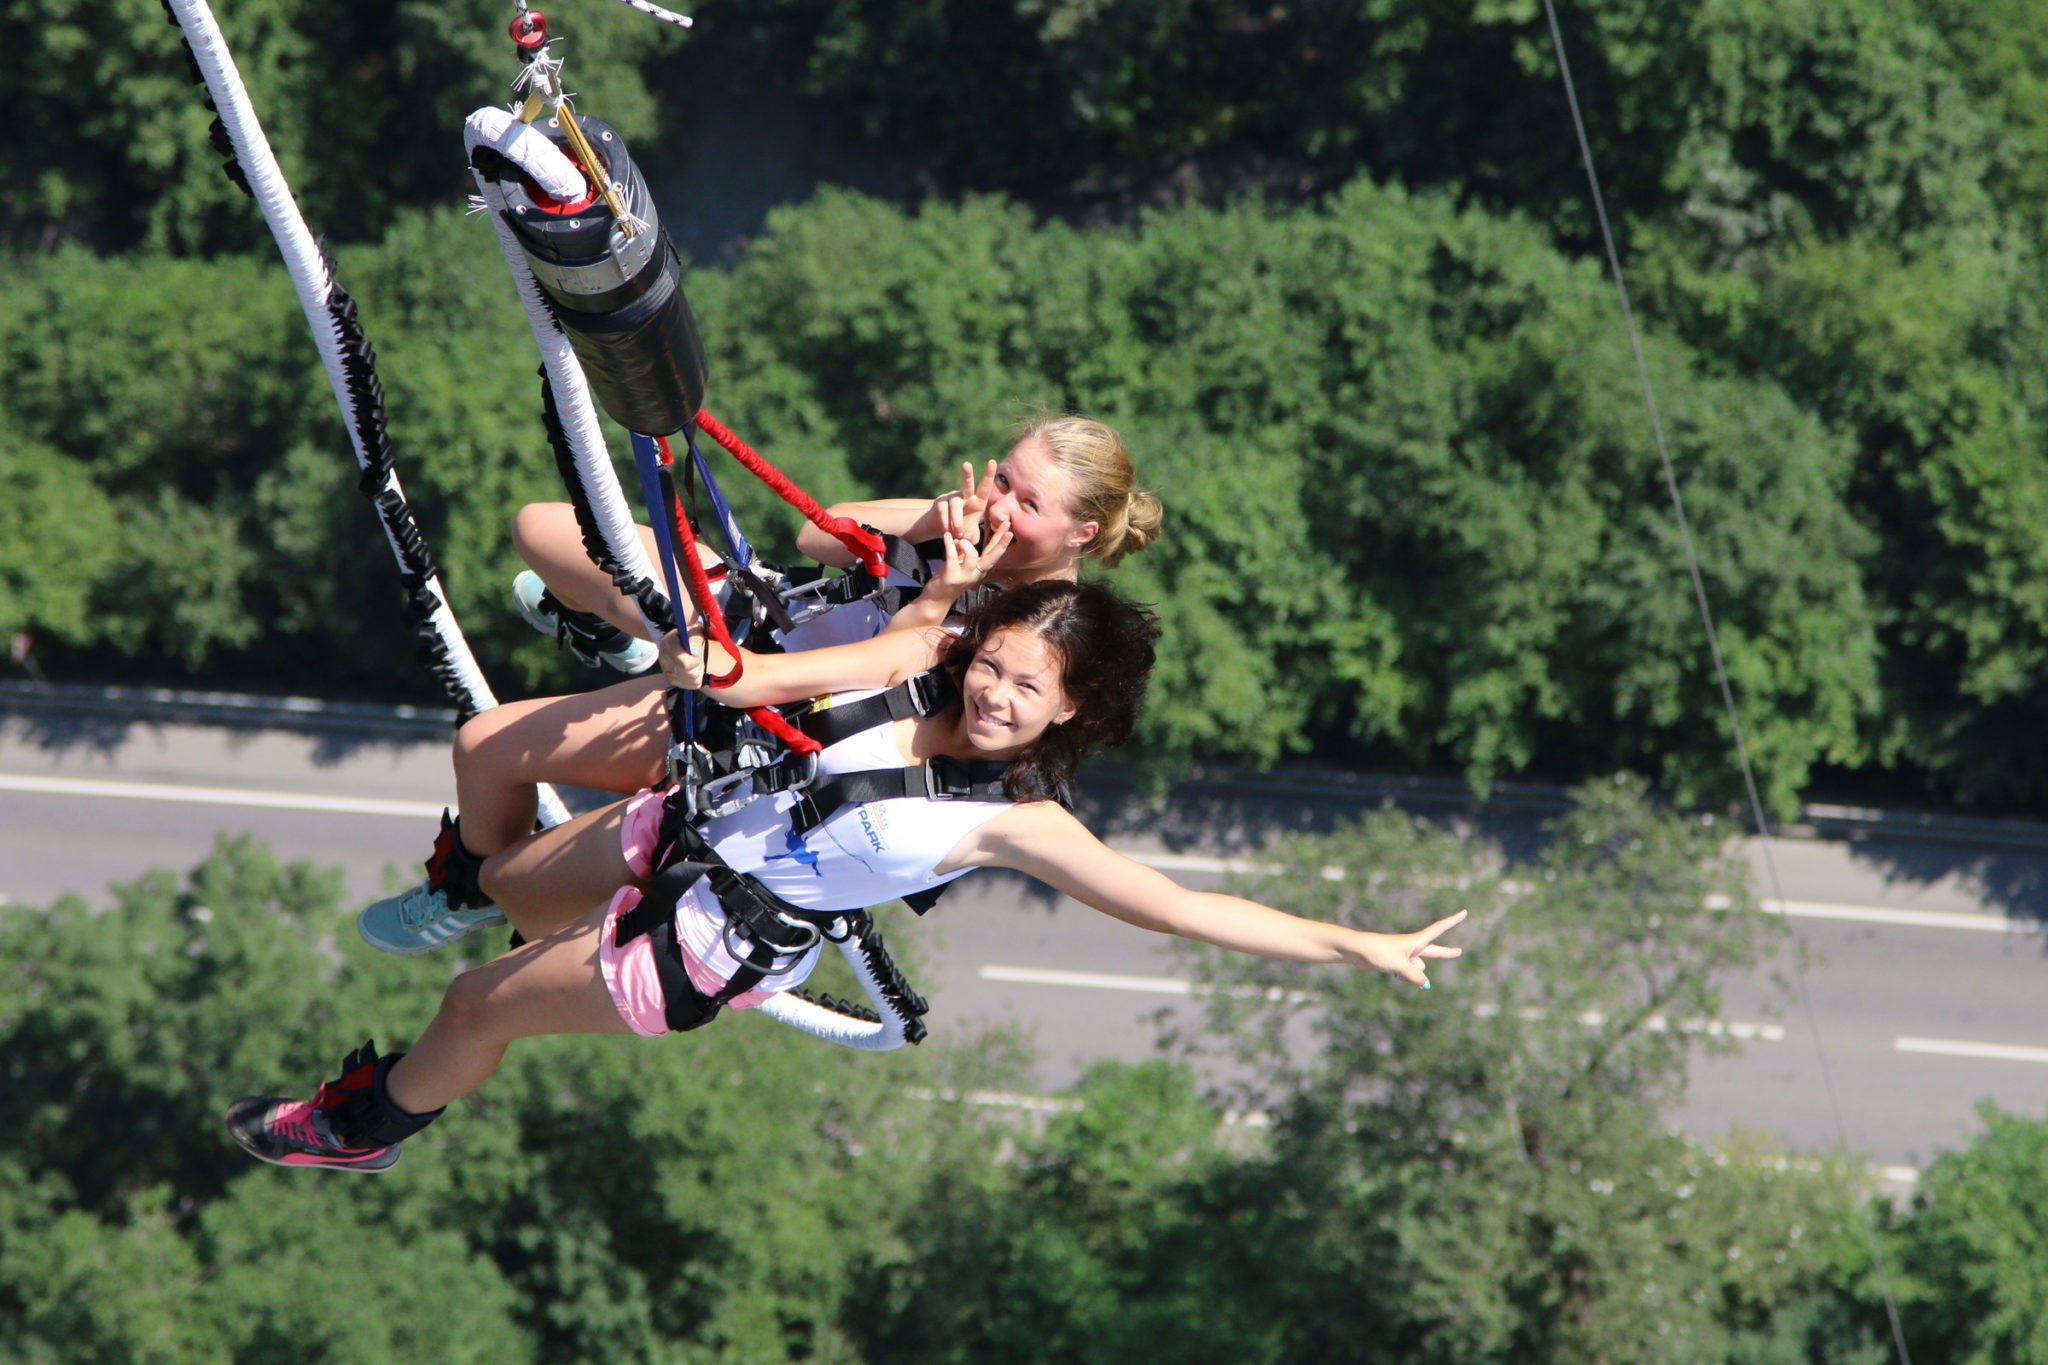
(590, 637)
(421, 920)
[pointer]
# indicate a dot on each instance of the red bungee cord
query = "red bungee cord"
(767, 717)
(865, 544)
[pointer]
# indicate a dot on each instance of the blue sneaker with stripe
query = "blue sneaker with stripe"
(591, 638)
(421, 920)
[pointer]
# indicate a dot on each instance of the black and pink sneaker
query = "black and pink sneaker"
(294, 1133)
(350, 1122)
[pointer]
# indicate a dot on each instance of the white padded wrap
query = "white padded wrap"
(315, 288)
(526, 147)
(820, 1022)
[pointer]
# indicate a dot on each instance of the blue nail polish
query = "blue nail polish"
(1425, 984)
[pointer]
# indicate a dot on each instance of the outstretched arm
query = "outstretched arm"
(1044, 841)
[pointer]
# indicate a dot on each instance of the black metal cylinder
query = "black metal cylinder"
(619, 298)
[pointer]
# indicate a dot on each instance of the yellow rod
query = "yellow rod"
(594, 168)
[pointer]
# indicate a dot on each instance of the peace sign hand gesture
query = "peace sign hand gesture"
(967, 504)
(967, 563)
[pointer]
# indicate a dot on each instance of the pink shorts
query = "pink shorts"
(629, 971)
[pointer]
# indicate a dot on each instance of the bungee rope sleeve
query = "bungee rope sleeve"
(348, 358)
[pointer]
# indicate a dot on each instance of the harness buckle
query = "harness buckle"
(689, 768)
(929, 691)
(947, 778)
(741, 788)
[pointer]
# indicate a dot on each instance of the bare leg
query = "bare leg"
(552, 878)
(614, 739)
(546, 987)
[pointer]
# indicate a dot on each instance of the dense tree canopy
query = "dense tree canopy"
(1401, 358)
(1473, 1175)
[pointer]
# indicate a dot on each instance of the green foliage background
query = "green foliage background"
(1330, 266)
(746, 1194)
(1479, 1175)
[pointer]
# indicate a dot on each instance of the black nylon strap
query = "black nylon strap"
(746, 903)
(942, 778)
(682, 1004)
(899, 556)
(920, 696)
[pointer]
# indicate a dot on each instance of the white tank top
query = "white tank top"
(864, 854)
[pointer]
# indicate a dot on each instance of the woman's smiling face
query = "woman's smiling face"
(1011, 693)
(1033, 495)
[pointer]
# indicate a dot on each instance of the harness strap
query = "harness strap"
(748, 905)
(858, 585)
(683, 1005)
(923, 695)
(941, 778)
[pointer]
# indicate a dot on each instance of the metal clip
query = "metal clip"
(688, 769)
(953, 768)
(794, 953)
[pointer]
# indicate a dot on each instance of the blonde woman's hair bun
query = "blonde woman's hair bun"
(1106, 490)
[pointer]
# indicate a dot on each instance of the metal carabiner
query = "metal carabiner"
(795, 954)
(713, 799)
(688, 769)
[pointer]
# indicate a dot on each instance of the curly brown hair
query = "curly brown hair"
(1104, 645)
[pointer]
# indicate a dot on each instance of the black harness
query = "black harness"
(813, 590)
(732, 761)
(779, 933)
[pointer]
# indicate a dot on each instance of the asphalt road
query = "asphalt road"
(1927, 992)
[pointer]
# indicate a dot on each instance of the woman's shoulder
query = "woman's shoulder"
(1036, 821)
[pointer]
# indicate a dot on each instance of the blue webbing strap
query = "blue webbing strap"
(746, 573)
(659, 491)
(728, 524)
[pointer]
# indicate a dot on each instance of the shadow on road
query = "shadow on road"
(2013, 880)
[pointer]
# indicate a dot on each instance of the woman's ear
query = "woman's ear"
(1084, 534)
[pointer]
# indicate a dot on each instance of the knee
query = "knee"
(480, 737)
(538, 529)
(466, 1005)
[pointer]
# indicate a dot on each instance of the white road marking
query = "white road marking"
(1958, 1047)
(1910, 919)
(1100, 981)
(218, 796)
(999, 1099)
(1169, 985)
(1170, 862)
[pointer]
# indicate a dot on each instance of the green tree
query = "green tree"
(707, 1198)
(363, 106)
(1972, 1287)
(1489, 1158)
(1094, 1244)
(1461, 543)
(56, 541)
